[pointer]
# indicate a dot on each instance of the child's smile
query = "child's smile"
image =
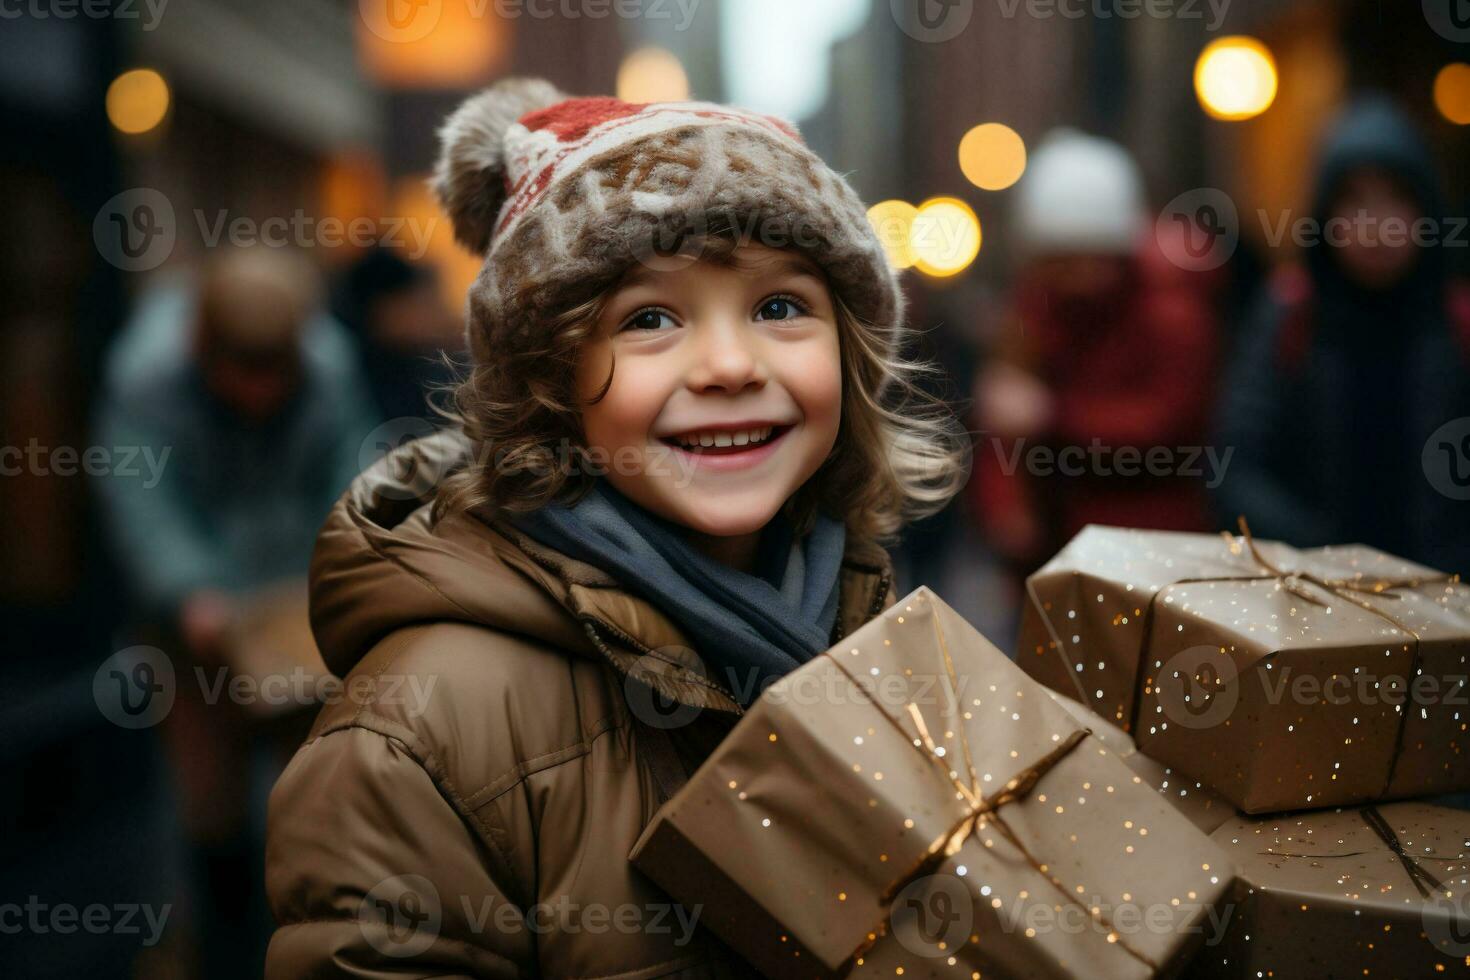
(730, 446)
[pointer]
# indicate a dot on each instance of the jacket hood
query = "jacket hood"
(380, 565)
(1374, 132)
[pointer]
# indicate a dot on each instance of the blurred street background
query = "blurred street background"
(1152, 243)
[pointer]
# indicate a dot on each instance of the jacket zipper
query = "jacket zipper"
(874, 608)
(884, 580)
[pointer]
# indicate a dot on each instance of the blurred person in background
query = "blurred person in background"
(1354, 359)
(403, 326)
(248, 411)
(1106, 347)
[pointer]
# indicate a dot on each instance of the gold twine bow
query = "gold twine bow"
(978, 807)
(979, 810)
(1344, 588)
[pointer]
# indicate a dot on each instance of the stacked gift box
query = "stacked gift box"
(1305, 689)
(912, 804)
(1144, 792)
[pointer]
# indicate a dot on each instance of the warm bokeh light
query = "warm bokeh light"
(652, 75)
(448, 45)
(945, 237)
(1452, 93)
(413, 203)
(893, 222)
(352, 186)
(992, 156)
(137, 100)
(1235, 78)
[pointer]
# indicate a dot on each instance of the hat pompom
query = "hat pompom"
(469, 179)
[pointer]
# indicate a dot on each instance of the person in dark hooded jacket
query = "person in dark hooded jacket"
(1354, 362)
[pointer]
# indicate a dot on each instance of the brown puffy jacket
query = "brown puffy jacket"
(467, 805)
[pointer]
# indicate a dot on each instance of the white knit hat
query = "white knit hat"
(1081, 194)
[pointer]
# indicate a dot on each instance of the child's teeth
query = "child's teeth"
(749, 437)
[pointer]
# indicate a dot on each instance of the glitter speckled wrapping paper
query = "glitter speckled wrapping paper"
(823, 801)
(1220, 670)
(1204, 808)
(1325, 895)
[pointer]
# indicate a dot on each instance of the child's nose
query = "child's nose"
(725, 362)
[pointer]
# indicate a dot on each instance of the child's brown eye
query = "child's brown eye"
(648, 320)
(779, 308)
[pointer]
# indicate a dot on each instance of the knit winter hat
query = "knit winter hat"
(563, 195)
(1080, 194)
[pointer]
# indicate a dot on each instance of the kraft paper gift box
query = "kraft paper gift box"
(1380, 891)
(1282, 679)
(910, 803)
(1204, 808)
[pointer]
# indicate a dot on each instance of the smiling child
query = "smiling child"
(674, 470)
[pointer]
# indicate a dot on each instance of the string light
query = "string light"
(1235, 78)
(137, 100)
(992, 156)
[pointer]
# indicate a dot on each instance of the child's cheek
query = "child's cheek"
(815, 380)
(625, 415)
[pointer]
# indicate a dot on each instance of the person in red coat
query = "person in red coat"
(1094, 407)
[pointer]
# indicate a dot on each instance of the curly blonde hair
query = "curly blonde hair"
(899, 453)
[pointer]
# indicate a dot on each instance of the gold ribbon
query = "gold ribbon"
(979, 810)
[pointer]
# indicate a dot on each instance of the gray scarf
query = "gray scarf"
(750, 629)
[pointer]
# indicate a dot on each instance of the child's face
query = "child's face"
(727, 390)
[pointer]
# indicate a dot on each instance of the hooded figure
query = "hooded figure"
(1355, 360)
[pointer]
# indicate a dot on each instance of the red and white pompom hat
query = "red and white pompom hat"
(563, 195)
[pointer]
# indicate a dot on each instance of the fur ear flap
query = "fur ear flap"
(469, 179)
